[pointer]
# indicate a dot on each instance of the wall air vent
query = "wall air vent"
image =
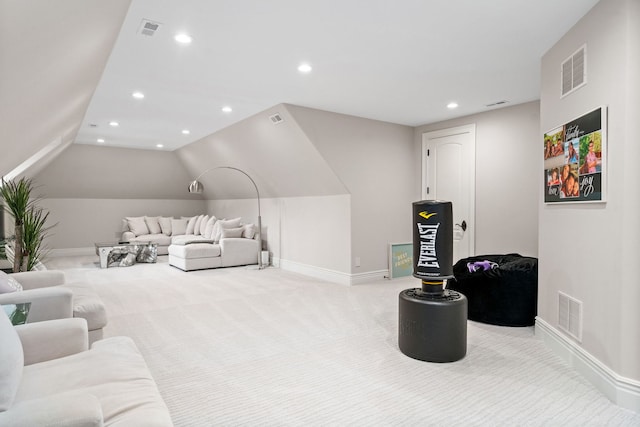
(570, 315)
(495, 104)
(573, 74)
(148, 28)
(276, 119)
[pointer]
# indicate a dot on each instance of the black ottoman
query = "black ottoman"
(506, 295)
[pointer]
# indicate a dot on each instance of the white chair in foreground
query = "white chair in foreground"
(52, 298)
(48, 377)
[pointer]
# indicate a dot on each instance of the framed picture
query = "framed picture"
(575, 160)
(400, 260)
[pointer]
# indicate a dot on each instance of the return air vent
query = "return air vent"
(570, 315)
(494, 104)
(574, 71)
(148, 28)
(276, 119)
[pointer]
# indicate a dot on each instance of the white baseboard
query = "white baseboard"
(332, 276)
(622, 391)
(71, 252)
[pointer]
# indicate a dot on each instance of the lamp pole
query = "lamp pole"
(197, 187)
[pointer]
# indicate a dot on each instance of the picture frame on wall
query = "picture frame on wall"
(575, 160)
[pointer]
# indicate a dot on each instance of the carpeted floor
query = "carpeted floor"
(236, 347)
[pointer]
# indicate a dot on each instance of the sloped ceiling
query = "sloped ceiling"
(52, 55)
(279, 157)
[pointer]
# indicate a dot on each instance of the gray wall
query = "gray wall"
(590, 251)
(507, 177)
(89, 189)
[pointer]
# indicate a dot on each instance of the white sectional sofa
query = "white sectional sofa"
(197, 242)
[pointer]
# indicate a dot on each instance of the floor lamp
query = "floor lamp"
(197, 187)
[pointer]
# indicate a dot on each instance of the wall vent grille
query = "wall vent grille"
(573, 74)
(148, 28)
(493, 104)
(276, 119)
(570, 315)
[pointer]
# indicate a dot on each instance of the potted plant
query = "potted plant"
(29, 222)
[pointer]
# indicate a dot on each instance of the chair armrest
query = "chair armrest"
(39, 279)
(46, 303)
(71, 409)
(127, 236)
(53, 339)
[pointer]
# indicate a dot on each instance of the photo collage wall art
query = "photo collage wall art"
(574, 160)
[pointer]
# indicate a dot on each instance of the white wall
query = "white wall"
(507, 177)
(590, 251)
(374, 160)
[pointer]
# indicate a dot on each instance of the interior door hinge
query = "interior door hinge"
(427, 190)
(428, 152)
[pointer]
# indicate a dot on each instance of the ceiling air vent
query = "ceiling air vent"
(148, 28)
(570, 315)
(495, 104)
(276, 119)
(574, 71)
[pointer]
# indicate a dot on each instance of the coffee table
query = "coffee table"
(126, 253)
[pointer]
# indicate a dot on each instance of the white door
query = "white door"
(448, 173)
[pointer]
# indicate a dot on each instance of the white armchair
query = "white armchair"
(48, 377)
(52, 298)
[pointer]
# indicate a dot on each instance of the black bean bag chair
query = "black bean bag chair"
(506, 295)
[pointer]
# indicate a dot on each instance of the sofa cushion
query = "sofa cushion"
(137, 225)
(203, 225)
(12, 364)
(209, 227)
(187, 238)
(196, 226)
(191, 224)
(195, 250)
(178, 226)
(224, 223)
(88, 305)
(228, 233)
(113, 371)
(249, 231)
(8, 284)
(153, 224)
(165, 225)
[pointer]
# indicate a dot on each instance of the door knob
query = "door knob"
(463, 225)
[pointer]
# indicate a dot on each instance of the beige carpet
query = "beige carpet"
(236, 347)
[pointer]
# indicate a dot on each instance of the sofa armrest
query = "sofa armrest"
(127, 236)
(236, 243)
(39, 279)
(46, 303)
(53, 339)
(71, 409)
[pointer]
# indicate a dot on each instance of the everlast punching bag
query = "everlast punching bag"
(432, 320)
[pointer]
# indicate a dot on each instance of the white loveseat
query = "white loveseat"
(48, 377)
(197, 242)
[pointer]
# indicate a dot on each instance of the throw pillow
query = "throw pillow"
(153, 224)
(178, 227)
(249, 231)
(228, 233)
(191, 224)
(8, 284)
(165, 225)
(209, 227)
(223, 223)
(196, 227)
(203, 224)
(137, 225)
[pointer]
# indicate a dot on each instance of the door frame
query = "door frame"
(442, 133)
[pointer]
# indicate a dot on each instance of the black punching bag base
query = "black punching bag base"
(432, 326)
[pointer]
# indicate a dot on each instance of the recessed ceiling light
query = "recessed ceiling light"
(114, 124)
(159, 145)
(186, 131)
(227, 109)
(452, 105)
(305, 68)
(138, 95)
(100, 140)
(183, 38)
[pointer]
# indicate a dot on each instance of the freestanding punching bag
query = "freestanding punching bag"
(432, 320)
